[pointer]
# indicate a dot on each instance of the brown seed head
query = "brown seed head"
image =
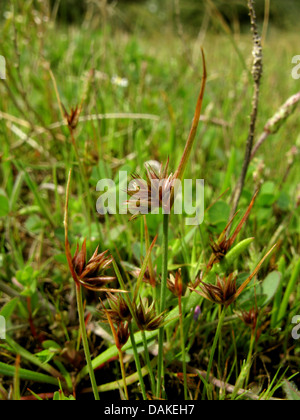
(175, 284)
(152, 194)
(250, 318)
(225, 292)
(223, 245)
(222, 293)
(147, 277)
(122, 334)
(72, 117)
(119, 310)
(91, 275)
(146, 316)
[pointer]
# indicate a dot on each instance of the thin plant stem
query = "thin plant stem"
(119, 347)
(245, 372)
(143, 270)
(257, 70)
(147, 243)
(123, 287)
(79, 299)
(183, 348)
(137, 362)
(252, 342)
(150, 266)
(81, 167)
(85, 341)
(163, 289)
(86, 185)
(192, 135)
(123, 373)
(215, 342)
(251, 348)
(133, 343)
(220, 344)
(142, 238)
(16, 383)
(148, 362)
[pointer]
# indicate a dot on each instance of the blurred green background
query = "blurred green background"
(284, 14)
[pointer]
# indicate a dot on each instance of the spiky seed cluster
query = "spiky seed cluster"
(122, 334)
(158, 192)
(223, 245)
(116, 318)
(250, 318)
(91, 274)
(152, 194)
(72, 117)
(147, 276)
(223, 293)
(119, 311)
(175, 284)
(146, 317)
(219, 250)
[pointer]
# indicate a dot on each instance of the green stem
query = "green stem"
(85, 341)
(191, 139)
(220, 344)
(123, 287)
(289, 290)
(148, 362)
(137, 362)
(245, 372)
(123, 373)
(133, 343)
(16, 382)
(163, 289)
(86, 187)
(183, 349)
(27, 375)
(249, 359)
(215, 343)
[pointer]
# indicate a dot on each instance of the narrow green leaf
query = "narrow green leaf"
(8, 309)
(33, 187)
(28, 375)
(4, 206)
(25, 354)
(289, 290)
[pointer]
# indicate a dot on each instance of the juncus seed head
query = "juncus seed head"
(223, 245)
(119, 310)
(151, 194)
(225, 291)
(222, 293)
(146, 316)
(91, 274)
(122, 334)
(175, 284)
(72, 117)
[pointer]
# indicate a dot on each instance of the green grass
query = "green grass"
(148, 120)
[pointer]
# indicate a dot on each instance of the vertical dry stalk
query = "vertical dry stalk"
(257, 70)
(191, 138)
